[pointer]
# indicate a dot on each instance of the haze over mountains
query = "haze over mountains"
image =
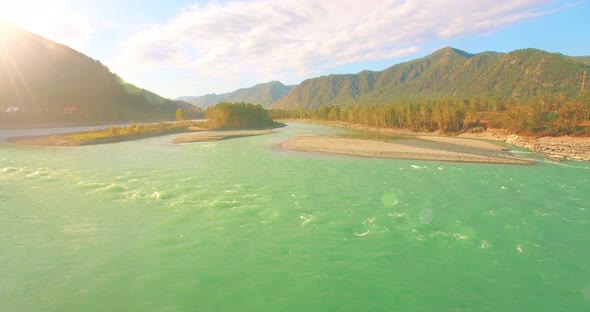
(262, 93)
(46, 81)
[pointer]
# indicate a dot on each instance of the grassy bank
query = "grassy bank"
(111, 134)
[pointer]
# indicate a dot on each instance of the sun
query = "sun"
(20, 14)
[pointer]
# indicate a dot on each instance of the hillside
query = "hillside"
(263, 94)
(44, 82)
(582, 59)
(448, 72)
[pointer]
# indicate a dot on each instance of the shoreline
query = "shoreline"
(554, 148)
(59, 140)
(218, 135)
(382, 149)
(196, 135)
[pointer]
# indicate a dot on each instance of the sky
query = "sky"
(183, 47)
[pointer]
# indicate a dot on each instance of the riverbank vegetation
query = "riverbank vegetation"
(108, 135)
(537, 117)
(238, 115)
(221, 116)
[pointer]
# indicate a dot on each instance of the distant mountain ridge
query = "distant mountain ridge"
(48, 82)
(262, 93)
(448, 72)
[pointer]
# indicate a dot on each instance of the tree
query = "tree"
(179, 114)
(237, 115)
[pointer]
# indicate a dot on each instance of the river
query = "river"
(243, 225)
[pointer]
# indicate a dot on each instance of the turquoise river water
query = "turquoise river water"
(243, 225)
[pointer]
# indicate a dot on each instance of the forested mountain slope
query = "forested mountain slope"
(446, 73)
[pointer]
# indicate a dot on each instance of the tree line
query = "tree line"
(237, 115)
(540, 116)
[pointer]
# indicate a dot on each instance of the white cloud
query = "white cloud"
(297, 38)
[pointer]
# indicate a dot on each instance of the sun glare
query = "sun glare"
(5, 29)
(15, 13)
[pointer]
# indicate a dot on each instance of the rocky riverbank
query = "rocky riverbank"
(555, 148)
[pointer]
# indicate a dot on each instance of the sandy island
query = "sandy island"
(218, 135)
(464, 142)
(196, 135)
(554, 148)
(380, 149)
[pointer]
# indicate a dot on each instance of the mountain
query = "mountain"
(447, 72)
(263, 94)
(582, 59)
(44, 81)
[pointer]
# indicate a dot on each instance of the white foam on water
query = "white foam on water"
(306, 219)
(439, 233)
(114, 186)
(33, 174)
(484, 244)
(572, 220)
(156, 195)
(10, 170)
(89, 184)
(136, 194)
(538, 213)
(460, 236)
(389, 199)
(178, 202)
(372, 227)
(363, 234)
(572, 166)
(397, 214)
